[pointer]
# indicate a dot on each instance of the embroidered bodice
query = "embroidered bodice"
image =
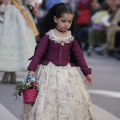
(50, 50)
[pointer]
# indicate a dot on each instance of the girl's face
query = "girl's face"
(64, 22)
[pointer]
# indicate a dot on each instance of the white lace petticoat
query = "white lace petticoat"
(17, 40)
(62, 96)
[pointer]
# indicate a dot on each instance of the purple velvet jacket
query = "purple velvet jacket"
(49, 51)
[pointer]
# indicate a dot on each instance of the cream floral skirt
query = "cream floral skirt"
(62, 96)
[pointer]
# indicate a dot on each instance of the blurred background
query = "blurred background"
(97, 27)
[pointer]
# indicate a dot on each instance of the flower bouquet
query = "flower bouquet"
(29, 88)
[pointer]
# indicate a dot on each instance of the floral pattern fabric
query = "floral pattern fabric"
(62, 96)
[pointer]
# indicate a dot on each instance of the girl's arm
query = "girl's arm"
(40, 51)
(79, 57)
(77, 52)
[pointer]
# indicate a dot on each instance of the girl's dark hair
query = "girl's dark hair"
(48, 21)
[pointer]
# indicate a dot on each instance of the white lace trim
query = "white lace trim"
(56, 39)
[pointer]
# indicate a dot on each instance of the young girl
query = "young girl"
(62, 94)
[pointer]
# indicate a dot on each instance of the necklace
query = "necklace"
(62, 41)
(60, 30)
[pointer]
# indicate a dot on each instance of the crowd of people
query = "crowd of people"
(96, 24)
(98, 27)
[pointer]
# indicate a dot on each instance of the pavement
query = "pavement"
(5, 114)
(100, 114)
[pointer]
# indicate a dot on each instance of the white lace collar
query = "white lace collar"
(67, 39)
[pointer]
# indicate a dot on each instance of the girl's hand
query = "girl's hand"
(31, 73)
(88, 80)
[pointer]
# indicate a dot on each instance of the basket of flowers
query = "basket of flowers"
(29, 88)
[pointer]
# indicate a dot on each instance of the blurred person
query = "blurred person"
(17, 41)
(95, 6)
(35, 9)
(83, 22)
(2, 10)
(113, 32)
(40, 16)
(73, 4)
(32, 5)
(50, 3)
(63, 94)
(117, 45)
(39, 13)
(100, 20)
